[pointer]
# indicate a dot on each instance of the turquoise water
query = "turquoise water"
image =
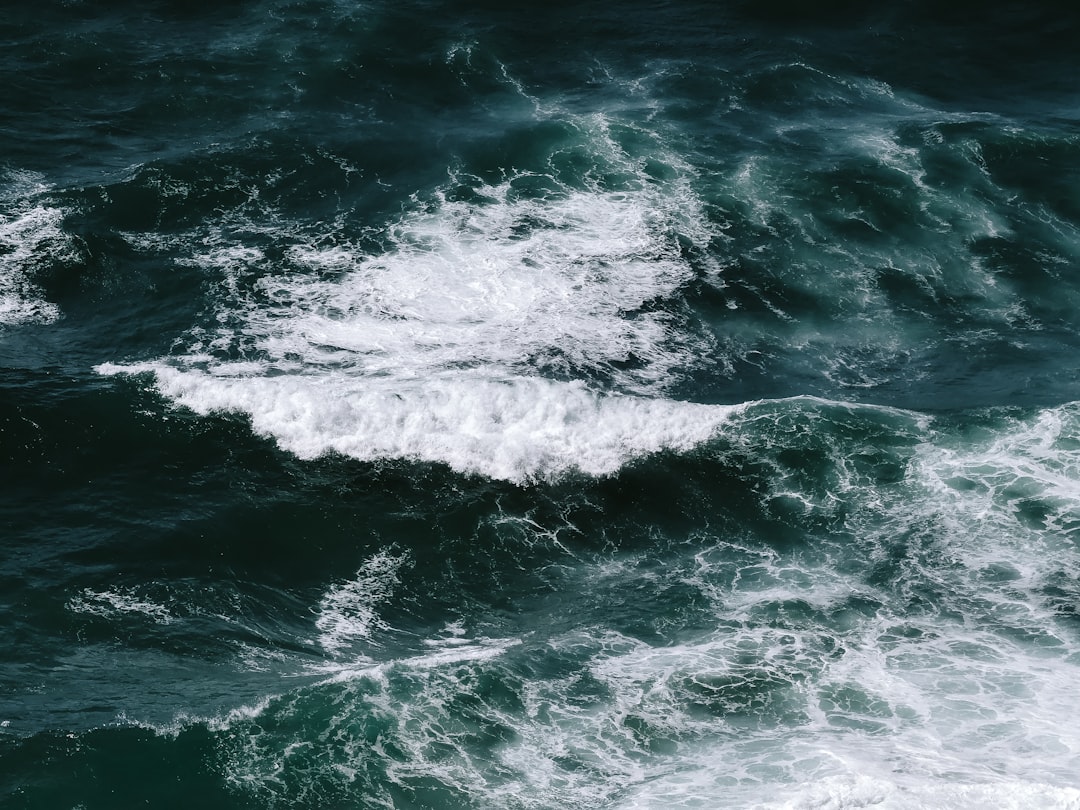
(445, 405)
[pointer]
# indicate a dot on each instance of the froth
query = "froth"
(348, 612)
(838, 793)
(514, 429)
(116, 602)
(31, 236)
(1024, 475)
(507, 285)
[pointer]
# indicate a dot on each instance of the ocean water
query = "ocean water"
(558, 405)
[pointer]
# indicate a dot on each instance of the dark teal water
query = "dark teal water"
(568, 405)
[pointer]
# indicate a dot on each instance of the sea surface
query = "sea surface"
(539, 406)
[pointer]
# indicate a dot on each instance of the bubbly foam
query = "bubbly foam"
(513, 429)
(504, 286)
(348, 612)
(31, 237)
(115, 602)
(1023, 477)
(839, 793)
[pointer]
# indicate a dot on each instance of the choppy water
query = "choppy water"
(577, 405)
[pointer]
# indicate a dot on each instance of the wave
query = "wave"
(519, 330)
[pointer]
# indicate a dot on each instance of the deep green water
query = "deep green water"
(570, 405)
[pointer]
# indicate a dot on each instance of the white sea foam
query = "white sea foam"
(460, 651)
(116, 602)
(515, 336)
(502, 286)
(31, 236)
(857, 791)
(1023, 474)
(512, 429)
(348, 612)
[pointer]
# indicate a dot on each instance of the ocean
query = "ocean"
(456, 404)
